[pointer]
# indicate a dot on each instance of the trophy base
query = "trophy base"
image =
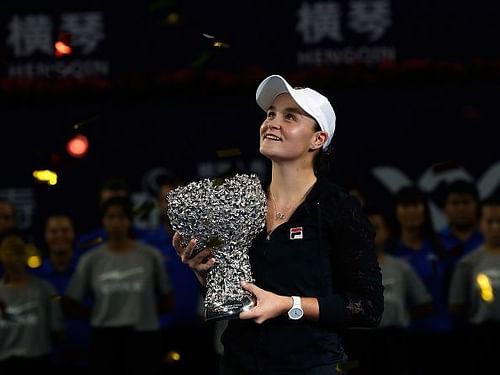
(230, 310)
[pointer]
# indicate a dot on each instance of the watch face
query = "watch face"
(295, 313)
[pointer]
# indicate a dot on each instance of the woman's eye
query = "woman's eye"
(290, 116)
(270, 114)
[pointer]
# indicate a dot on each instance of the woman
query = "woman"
(314, 264)
(30, 314)
(128, 282)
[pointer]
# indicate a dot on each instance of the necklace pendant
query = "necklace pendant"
(280, 216)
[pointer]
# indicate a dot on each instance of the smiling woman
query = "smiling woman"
(314, 263)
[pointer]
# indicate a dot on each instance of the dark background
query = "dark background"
(173, 100)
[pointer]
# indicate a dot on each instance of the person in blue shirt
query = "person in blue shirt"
(419, 245)
(57, 268)
(462, 235)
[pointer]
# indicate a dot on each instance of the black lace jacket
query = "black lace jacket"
(357, 299)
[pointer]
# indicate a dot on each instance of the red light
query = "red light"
(78, 146)
(63, 45)
(62, 49)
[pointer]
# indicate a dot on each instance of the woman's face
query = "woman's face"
(410, 215)
(288, 132)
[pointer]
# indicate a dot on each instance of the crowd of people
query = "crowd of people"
(440, 312)
(115, 299)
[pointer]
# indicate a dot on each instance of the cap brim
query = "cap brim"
(269, 89)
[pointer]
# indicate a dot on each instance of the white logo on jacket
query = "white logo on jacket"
(296, 233)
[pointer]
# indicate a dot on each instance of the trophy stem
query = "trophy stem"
(225, 297)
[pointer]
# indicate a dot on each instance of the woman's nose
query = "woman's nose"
(273, 123)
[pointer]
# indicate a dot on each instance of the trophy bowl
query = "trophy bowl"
(226, 215)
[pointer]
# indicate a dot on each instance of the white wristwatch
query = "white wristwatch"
(296, 312)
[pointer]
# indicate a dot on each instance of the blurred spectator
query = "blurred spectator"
(462, 234)
(419, 245)
(58, 268)
(61, 259)
(385, 350)
(30, 315)
(356, 189)
(474, 292)
(111, 187)
(129, 285)
(405, 299)
(459, 238)
(7, 215)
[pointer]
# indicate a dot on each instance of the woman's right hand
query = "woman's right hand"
(200, 263)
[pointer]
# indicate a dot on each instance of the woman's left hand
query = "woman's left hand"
(268, 305)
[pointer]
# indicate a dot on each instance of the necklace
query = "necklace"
(282, 215)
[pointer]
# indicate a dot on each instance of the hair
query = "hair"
(371, 210)
(408, 195)
(462, 187)
(376, 210)
(115, 184)
(122, 202)
(13, 232)
(59, 214)
(321, 161)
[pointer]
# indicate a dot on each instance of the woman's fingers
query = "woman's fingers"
(188, 250)
(184, 252)
(207, 265)
(252, 288)
(199, 258)
(202, 261)
(176, 243)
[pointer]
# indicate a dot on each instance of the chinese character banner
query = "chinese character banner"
(55, 45)
(159, 43)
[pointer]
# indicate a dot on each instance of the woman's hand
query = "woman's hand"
(200, 263)
(268, 305)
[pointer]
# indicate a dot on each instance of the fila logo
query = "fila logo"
(296, 233)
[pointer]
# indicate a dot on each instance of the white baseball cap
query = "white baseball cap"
(312, 102)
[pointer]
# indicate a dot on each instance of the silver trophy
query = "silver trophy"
(226, 215)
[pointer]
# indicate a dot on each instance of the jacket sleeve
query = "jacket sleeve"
(358, 300)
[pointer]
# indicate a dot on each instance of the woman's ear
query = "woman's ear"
(318, 140)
